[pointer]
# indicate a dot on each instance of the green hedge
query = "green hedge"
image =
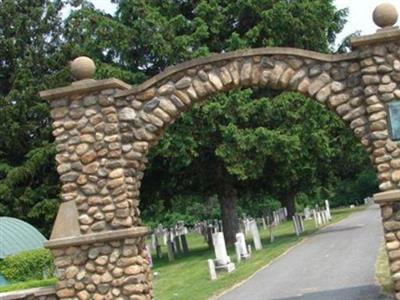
(29, 265)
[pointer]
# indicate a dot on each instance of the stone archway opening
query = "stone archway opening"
(228, 183)
(104, 130)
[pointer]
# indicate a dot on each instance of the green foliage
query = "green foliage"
(255, 142)
(31, 60)
(187, 208)
(354, 191)
(259, 204)
(30, 265)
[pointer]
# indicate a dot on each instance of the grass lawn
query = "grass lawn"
(187, 277)
(383, 271)
(27, 285)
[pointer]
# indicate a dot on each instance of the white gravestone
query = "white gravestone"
(249, 249)
(328, 210)
(323, 217)
(242, 248)
(148, 256)
(246, 224)
(276, 219)
(301, 224)
(296, 227)
(211, 269)
(165, 237)
(222, 260)
(319, 218)
(315, 217)
(270, 227)
(256, 235)
(264, 223)
(237, 250)
(326, 214)
(307, 213)
(153, 242)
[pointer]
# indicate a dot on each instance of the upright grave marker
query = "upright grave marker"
(255, 234)
(241, 247)
(222, 260)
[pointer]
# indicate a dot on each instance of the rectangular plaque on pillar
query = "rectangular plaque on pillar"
(394, 120)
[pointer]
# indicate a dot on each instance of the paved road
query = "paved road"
(338, 263)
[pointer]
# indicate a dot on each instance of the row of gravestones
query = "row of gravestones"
(321, 216)
(175, 239)
(249, 226)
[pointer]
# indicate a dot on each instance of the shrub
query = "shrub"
(28, 265)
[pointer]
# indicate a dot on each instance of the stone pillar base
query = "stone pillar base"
(108, 265)
(390, 210)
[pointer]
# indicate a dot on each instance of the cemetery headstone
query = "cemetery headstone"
(323, 217)
(211, 269)
(242, 247)
(328, 210)
(255, 234)
(210, 229)
(222, 260)
(177, 243)
(246, 224)
(170, 250)
(301, 223)
(148, 256)
(185, 246)
(319, 218)
(264, 224)
(270, 227)
(296, 225)
(307, 213)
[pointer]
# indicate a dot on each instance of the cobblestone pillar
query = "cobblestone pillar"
(390, 209)
(97, 239)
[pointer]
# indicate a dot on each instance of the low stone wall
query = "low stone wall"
(43, 293)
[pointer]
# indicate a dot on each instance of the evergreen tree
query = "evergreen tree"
(29, 56)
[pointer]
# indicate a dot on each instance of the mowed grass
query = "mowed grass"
(187, 277)
(28, 285)
(383, 271)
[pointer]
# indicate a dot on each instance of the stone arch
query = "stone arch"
(104, 130)
(332, 80)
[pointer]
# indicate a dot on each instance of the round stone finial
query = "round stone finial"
(385, 15)
(83, 67)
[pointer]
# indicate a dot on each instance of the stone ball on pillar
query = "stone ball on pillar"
(83, 67)
(385, 15)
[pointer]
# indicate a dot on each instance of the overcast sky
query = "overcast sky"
(360, 14)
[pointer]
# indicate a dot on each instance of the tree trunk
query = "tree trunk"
(230, 221)
(289, 204)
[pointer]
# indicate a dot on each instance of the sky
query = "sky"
(360, 14)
